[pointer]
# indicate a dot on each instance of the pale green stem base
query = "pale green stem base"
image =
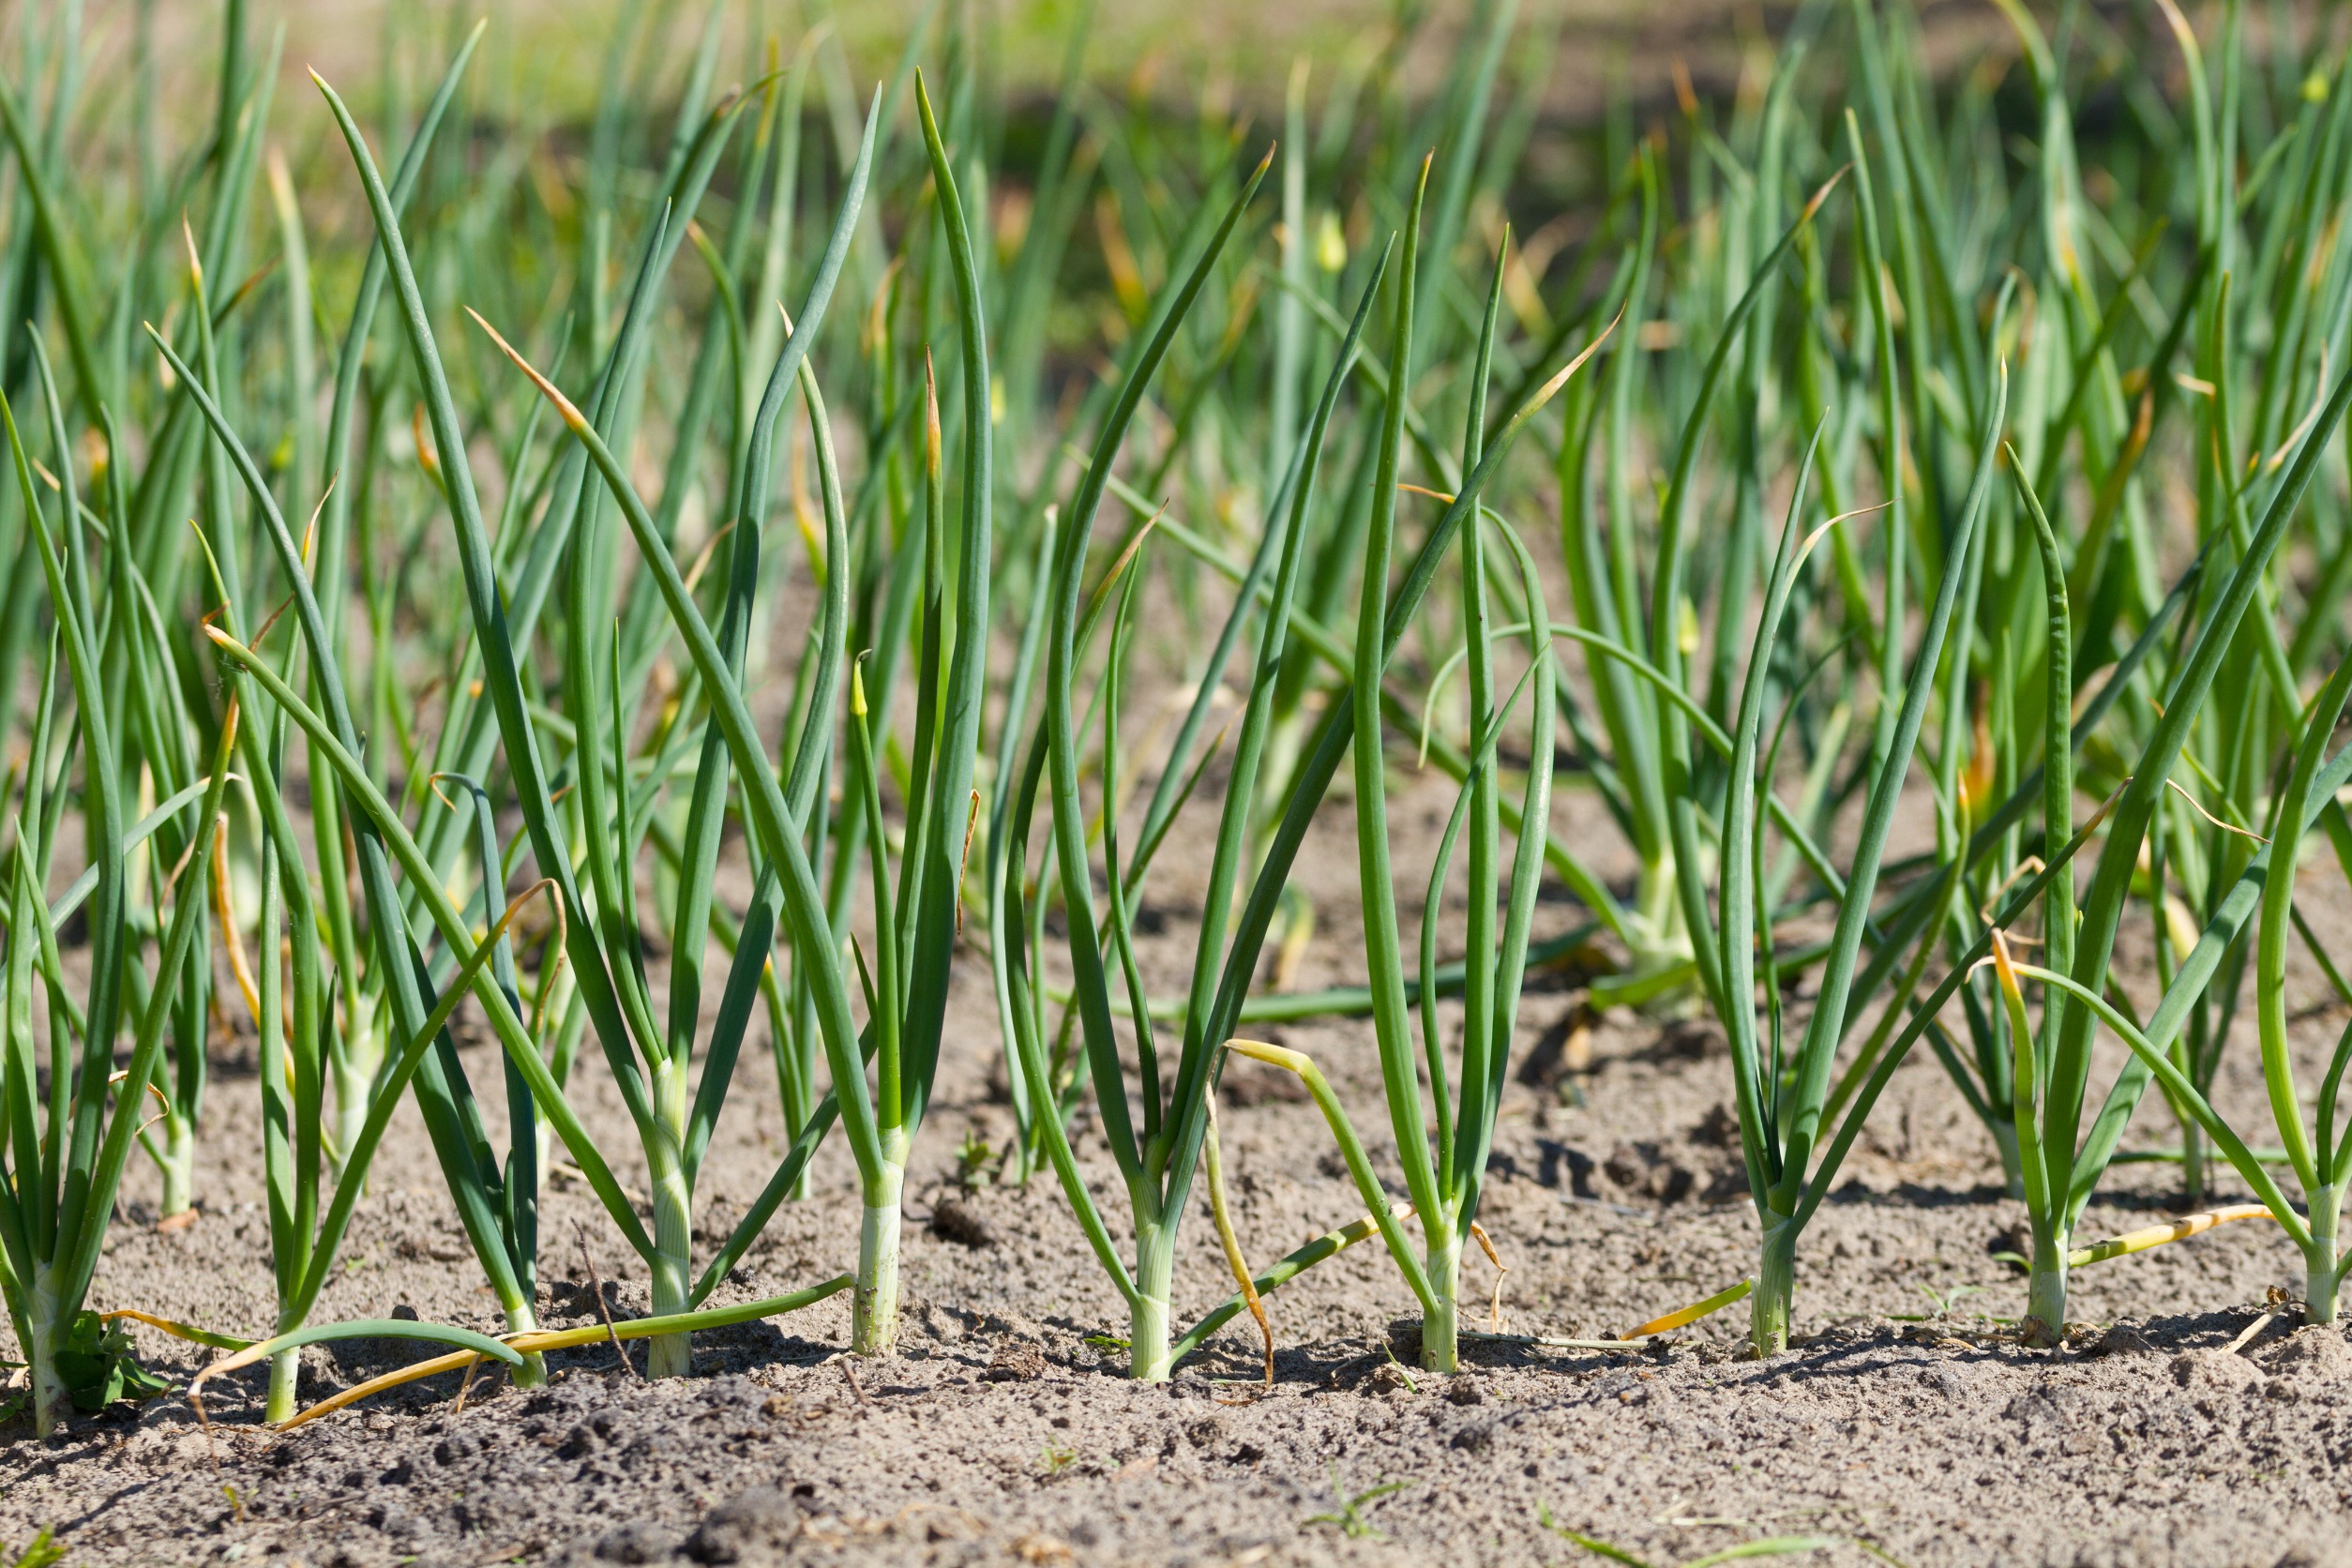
(1776, 1292)
(285, 1370)
(2319, 1295)
(1440, 1326)
(2319, 1289)
(533, 1372)
(2045, 1290)
(671, 1355)
(874, 1308)
(45, 1322)
(1147, 1339)
(1022, 1156)
(1657, 939)
(178, 1165)
(1147, 1314)
(355, 1073)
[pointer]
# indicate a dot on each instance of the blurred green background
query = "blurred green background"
(1182, 53)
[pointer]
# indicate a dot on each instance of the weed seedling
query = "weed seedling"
(1348, 1517)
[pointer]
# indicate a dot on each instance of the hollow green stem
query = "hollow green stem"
(354, 1069)
(45, 1322)
(178, 1164)
(1146, 1311)
(2045, 1286)
(874, 1309)
(2323, 1270)
(671, 1355)
(1775, 1286)
(1441, 1324)
(2192, 1163)
(285, 1370)
(532, 1373)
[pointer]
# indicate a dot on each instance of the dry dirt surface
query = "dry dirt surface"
(1904, 1426)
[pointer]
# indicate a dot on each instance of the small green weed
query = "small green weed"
(1774, 1546)
(42, 1553)
(1348, 1519)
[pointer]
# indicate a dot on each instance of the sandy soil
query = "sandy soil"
(1004, 1434)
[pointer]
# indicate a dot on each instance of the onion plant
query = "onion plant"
(652, 1064)
(1599, 554)
(1783, 1095)
(1638, 777)
(2059, 1178)
(1157, 1159)
(241, 122)
(1445, 1188)
(2271, 276)
(2320, 1158)
(906, 1010)
(495, 1200)
(159, 751)
(162, 716)
(67, 1139)
(2229, 681)
(2077, 402)
(528, 561)
(2021, 617)
(305, 1051)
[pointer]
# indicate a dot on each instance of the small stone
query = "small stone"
(2124, 1340)
(954, 1220)
(1689, 1040)
(1016, 1363)
(635, 1544)
(754, 1524)
(1644, 1170)
(1718, 1129)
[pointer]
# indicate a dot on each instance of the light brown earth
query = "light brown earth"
(1003, 1435)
